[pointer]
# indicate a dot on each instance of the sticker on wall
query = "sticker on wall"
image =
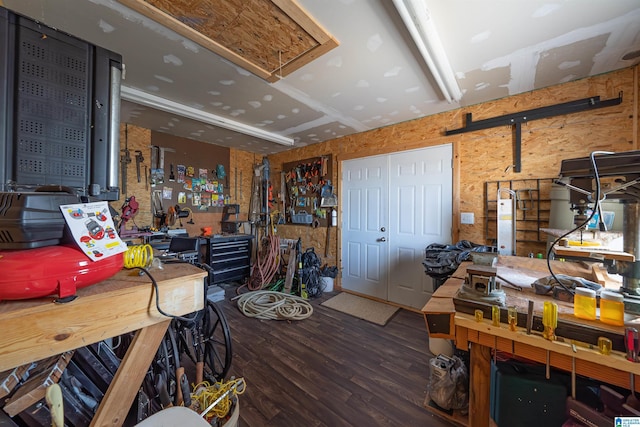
(188, 184)
(157, 176)
(195, 200)
(202, 173)
(196, 185)
(190, 171)
(182, 197)
(182, 171)
(167, 193)
(220, 173)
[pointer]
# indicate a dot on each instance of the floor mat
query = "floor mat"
(362, 308)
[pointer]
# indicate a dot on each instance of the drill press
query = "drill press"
(614, 176)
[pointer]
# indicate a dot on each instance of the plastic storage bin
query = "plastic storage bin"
(584, 303)
(611, 308)
(302, 217)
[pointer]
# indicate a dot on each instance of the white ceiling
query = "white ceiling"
(374, 78)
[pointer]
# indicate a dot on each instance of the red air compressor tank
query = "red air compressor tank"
(51, 270)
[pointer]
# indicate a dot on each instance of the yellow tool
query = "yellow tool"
(550, 320)
(582, 243)
(495, 315)
(53, 397)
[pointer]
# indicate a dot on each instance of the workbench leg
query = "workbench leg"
(125, 385)
(479, 386)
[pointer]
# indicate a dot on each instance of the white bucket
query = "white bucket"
(440, 346)
(328, 284)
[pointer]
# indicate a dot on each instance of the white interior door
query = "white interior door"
(420, 202)
(364, 223)
(393, 206)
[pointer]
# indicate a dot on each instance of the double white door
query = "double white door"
(393, 207)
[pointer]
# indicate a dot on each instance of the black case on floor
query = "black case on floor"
(522, 396)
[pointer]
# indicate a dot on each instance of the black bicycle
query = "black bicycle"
(195, 348)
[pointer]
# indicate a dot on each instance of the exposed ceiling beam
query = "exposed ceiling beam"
(417, 19)
(162, 104)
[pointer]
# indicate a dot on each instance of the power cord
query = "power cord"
(596, 208)
(160, 310)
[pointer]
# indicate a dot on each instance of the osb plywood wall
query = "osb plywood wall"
(135, 138)
(487, 155)
(478, 156)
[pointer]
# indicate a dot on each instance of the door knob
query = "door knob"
(383, 229)
(382, 239)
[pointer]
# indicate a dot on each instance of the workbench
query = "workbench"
(38, 328)
(445, 319)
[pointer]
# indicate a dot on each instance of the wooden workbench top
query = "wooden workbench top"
(523, 272)
(37, 328)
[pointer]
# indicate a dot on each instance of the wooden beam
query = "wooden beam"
(126, 382)
(480, 392)
(247, 47)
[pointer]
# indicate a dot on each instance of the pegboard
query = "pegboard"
(305, 181)
(193, 175)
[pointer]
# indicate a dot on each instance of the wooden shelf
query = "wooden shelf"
(534, 217)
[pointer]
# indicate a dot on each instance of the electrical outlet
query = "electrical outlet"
(467, 218)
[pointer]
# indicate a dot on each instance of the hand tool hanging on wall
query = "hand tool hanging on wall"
(328, 239)
(139, 160)
(161, 166)
(235, 184)
(155, 154)
(125, 159)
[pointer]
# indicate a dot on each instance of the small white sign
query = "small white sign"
(626, 422)
(93, 230)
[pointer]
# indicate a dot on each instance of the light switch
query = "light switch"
(467, 218)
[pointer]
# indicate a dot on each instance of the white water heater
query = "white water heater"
(506, 222)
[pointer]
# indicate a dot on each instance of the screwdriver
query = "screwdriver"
(631, 343)
(550, 320)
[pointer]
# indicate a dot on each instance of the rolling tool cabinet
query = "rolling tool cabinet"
(229, 257)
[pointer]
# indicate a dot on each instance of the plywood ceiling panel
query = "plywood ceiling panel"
(270, 38)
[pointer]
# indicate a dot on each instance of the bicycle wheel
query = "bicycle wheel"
(206, 341)
(217, 343)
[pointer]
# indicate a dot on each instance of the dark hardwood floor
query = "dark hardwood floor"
(331, 369)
